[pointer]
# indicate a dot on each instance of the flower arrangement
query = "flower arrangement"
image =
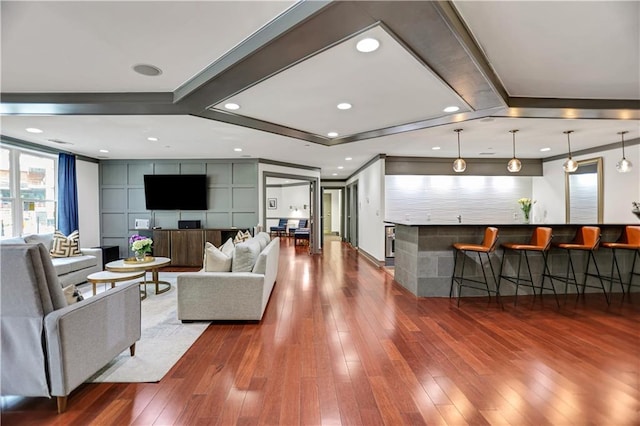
(140, 245)
(525, 205)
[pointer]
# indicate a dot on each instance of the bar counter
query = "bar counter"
(424, 257)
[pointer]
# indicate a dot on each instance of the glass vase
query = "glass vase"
(139, 255)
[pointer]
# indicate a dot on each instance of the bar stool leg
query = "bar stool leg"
(493, 274)
(571, 269)
(453, 276)
(636, 255)
(546, 272)
(614, 263)
(597, 275)
(484, 274)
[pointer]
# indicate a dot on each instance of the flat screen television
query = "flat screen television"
(175, 192)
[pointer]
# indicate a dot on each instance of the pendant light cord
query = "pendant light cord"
(622, 134)
(568, 132)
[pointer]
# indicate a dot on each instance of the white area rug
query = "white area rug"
(164, 340)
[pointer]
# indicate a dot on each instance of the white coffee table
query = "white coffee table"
(103, 277)
(153, 266)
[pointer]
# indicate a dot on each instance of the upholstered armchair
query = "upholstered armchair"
(48, 347)
(280, 229)
(302, 223)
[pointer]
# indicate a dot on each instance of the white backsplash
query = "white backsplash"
(441, 199)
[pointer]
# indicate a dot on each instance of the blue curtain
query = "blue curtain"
(67, 194)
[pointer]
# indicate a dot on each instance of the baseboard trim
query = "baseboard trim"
(371, 259)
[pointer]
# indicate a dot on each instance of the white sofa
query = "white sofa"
(230, 295)
(70, 270)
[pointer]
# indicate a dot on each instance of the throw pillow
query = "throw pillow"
(72, 294)
(228, 247)
(242, 236)
(245, 256)
(215, 260)
(63, 246)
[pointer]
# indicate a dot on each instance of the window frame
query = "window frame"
(17, 203)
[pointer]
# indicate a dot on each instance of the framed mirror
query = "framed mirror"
(584, 192)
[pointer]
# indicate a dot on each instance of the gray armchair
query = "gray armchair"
(48, 347)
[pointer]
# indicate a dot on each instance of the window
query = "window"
(28, 191)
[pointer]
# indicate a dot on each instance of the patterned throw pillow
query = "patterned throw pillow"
(66, 246)
(242, 236)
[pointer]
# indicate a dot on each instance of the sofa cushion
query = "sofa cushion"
(65, 265)
(45, 239)
(215, 260)
(245, 256)
(64, 246)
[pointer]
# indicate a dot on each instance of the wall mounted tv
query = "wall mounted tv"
(175, 192)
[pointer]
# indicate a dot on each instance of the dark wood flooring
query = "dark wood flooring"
(341, 343)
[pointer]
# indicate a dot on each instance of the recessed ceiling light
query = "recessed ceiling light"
(33, 130)
(348, 158)
(152, 139)
(344, 105)
(334, 174)
(435, 148)
(367, 45)
(147, 70)
(545, 149)
(451, 109)
(332, 134)
(104, 150)
(237, 149)
(232, 106)
(340, 167)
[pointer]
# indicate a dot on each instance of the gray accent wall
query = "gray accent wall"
(232, 198)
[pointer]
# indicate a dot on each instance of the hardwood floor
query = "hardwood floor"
(341, 343)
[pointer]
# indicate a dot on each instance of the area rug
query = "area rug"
(163, 341)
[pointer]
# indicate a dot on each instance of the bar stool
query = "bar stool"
(629, 240)
(540, 242)
(487, 246)
(587, 239)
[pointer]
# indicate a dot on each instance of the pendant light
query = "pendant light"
(459, 165)
(624, 165)
(570, 165)
(514, 165)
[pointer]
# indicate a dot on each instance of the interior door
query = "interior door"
(326, 212)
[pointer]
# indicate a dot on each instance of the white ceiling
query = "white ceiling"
(537, 49)
(91, 46)
(560, 49)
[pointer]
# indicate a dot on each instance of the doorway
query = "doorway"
(332, 211)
